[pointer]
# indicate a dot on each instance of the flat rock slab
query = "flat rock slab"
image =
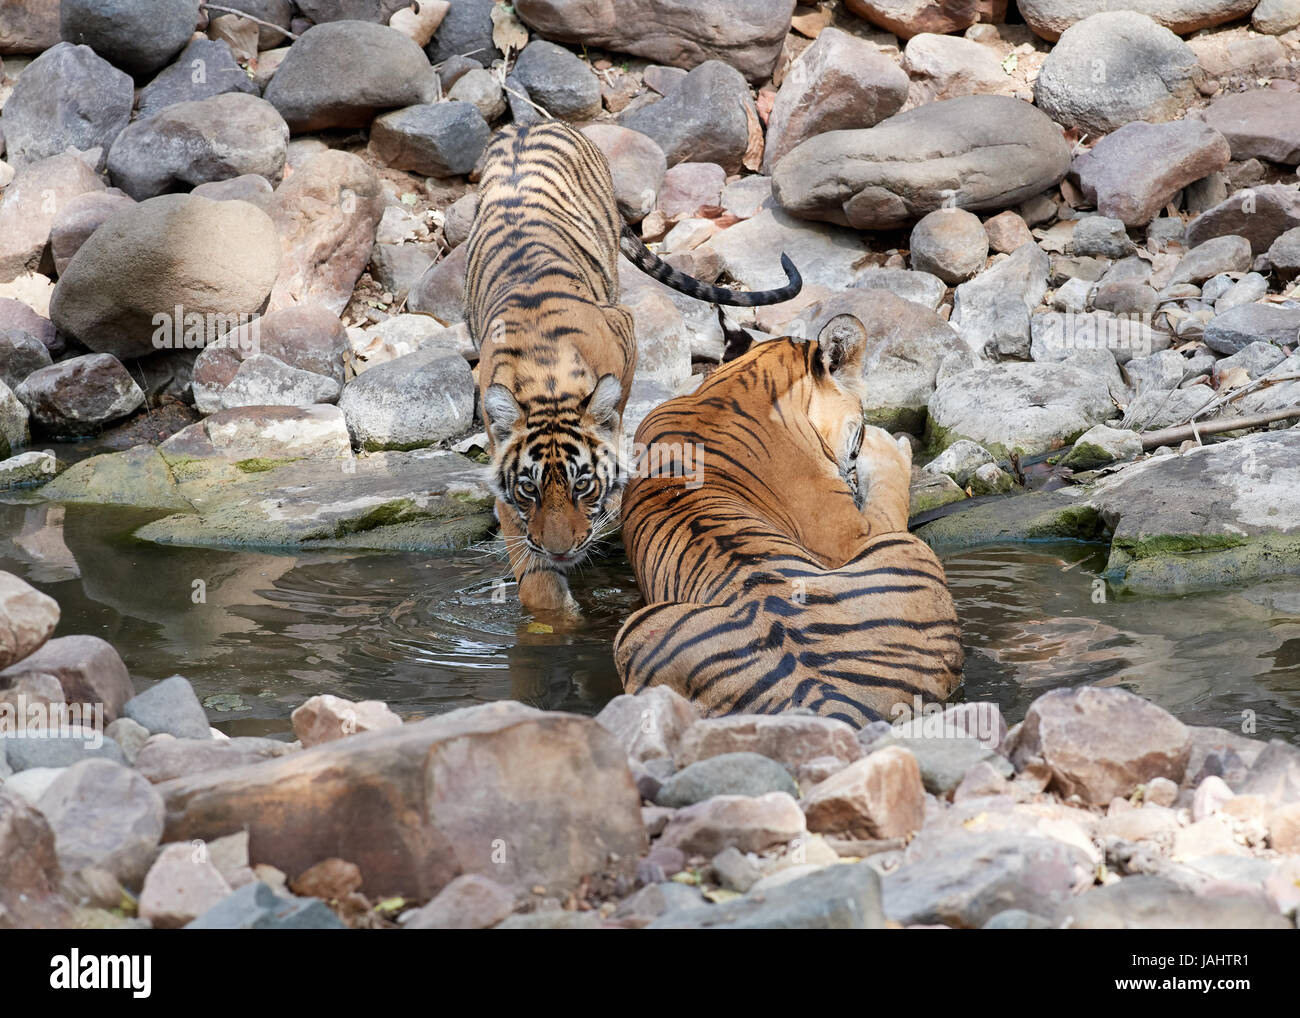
(1215, 516)
(523, 796)
(413, 501)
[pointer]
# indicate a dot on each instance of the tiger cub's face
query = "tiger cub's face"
(556, 468)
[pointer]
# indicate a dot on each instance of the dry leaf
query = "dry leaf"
(507, 32)
(1233, 378)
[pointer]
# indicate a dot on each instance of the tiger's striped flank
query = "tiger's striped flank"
(777, 584)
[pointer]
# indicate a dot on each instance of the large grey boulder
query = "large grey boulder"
(343, 73)
(974, 152)
(1015, 407)
(709, 118)
(1049, 18)
(213, 259)
(1113, 68)
(190, 143)
(67, 97)
(139, 38)
(747, 34)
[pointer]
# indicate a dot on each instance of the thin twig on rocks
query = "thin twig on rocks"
(249, 17)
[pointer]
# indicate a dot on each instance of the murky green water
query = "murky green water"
(258, 633)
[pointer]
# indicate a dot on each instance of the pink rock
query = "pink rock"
(839, 82)
(789, 739)
(689, 187)
(470, 902)
(326, 717)
(27, 618)
(180, 886)
(326, 214)
(649, 724)
(880, 796)
(750, 824)
(1102, 742)
(89, 669)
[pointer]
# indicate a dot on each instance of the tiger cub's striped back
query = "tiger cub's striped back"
(556, 349)
(776, 584)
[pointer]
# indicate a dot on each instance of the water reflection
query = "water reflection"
(258, 632)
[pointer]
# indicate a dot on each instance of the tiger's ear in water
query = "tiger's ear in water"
(602, 404)
(842, 340)
(500, 412)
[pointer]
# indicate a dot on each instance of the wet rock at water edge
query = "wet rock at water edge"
(27, 618)
(1101, 743)
(169, 706)
(324, 718)
(90, 671)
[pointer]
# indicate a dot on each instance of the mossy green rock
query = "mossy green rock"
(409, 501)
(137, 477)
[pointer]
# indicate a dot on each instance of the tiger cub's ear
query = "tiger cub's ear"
(602, 404)
(842, 340)
(500, 411)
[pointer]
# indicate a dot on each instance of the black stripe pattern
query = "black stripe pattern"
(766, 588)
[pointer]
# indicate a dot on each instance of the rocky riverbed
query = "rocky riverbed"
(231, 261)
(1100, 810)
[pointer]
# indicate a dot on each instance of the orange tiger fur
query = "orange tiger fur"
(776, 584)
(556, 349)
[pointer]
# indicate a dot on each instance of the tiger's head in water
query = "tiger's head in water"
(557, 469)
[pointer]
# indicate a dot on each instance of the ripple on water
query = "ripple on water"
(429, 634)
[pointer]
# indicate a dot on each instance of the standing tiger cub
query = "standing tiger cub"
(556, 349)
(784, 576)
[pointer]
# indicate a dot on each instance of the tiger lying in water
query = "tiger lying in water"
(775, 584)
(556, 349)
